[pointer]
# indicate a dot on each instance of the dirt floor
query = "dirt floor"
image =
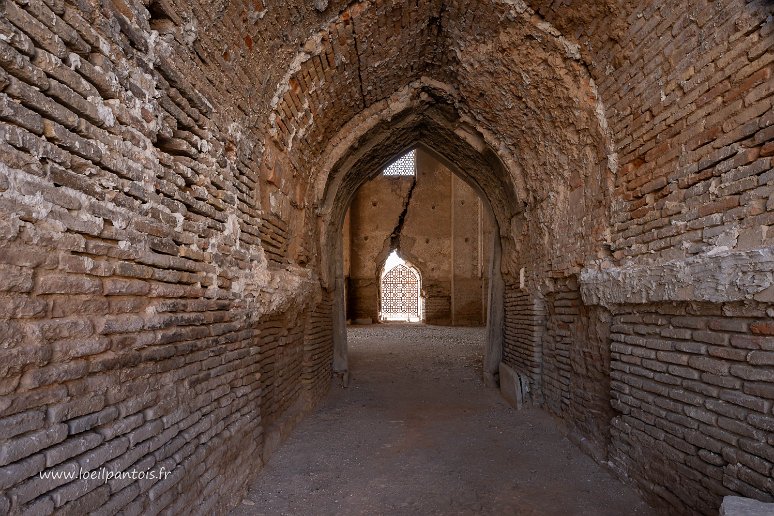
(417, 432)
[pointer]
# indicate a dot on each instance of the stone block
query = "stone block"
(58, 283)
(12, 474)
(740, 506)
(513, 386)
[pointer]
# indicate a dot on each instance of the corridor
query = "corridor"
(417, 432)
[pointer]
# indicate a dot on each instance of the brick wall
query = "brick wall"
(280, 366)
(363, 299)
(468, 301)
(318, 352)
(438, 225)
(560, 345)
(150, 315)
(688, 92)
(689, 98)
(438, 303)
(523, 336)
(692, 386)
(159, 304)
(575, 381)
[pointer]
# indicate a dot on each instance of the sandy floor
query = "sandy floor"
(416, 432)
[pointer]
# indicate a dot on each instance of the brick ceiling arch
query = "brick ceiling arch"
(504, 62)
(428, 129)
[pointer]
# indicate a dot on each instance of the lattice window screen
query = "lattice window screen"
(400, 292)
(403, 166)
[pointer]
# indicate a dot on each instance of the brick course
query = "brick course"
(700, 411)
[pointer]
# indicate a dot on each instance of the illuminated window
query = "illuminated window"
(406, 165)
(401, 288)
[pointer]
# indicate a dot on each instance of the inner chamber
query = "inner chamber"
(417, 245)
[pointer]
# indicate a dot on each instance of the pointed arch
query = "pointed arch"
(445, 137)
(400, 291)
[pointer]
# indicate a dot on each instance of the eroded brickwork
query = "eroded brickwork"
(142, 234)
(688, 92)
(174, 176)
(693, 385)
(576, 366)
(696, 172)
(318, 352)
(523, 337)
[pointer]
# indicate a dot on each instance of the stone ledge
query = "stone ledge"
(716, 278)
(738, 506)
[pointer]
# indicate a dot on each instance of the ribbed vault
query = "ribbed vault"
(525, 128)
(174, 175)
(426, 122)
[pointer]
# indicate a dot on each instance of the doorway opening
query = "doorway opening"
(400, 291)
(437, 223)
(441, 220)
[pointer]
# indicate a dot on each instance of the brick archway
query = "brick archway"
(465, 156)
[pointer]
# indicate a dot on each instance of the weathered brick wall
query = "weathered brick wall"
(692, 106)
(159, 246)
(561, 335)
(469, 306)
(575, 366)
(363, 299)
(560, 347)
(318, 352)
(688, 94)
(282, 349)
(687, 91)
(374, 214)
(438, 303)
(145, 251)
(693, 390)
(523, 336)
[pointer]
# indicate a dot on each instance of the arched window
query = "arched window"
(401, 288)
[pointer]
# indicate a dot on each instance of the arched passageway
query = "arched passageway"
(173, 177)
(381, 145)
(431, 219)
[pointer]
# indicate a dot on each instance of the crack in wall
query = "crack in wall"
(359, 63)
(395, 236)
